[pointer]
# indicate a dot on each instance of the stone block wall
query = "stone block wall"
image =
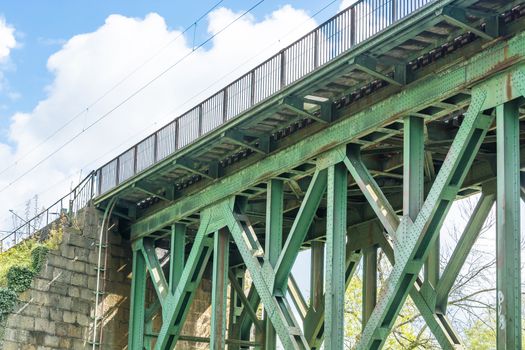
(57, 311)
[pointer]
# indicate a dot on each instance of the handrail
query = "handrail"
(348, 28)
(68, 205)
(343, 31)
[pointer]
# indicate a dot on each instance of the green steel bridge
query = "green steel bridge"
(356, 138)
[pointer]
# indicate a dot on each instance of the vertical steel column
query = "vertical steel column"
(236, 307)
(178, 243)
(317, 275)
(273, 242)
(369, 282)
(335, 256)
(413, 166)
(219, 289)
(413, 186)
(138, 300)
(508, 227)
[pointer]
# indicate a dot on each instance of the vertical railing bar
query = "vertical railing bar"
(155, 148)
(224, 105)
(283, 69)
(200, 121)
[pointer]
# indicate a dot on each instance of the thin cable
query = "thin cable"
(141, 131)
(111, 89)
(127, 99)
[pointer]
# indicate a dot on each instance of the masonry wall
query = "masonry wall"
(57, 311)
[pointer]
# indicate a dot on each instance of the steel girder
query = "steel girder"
(413, 235)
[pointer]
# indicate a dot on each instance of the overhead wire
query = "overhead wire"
(127, 99)
(86, 109)
(151, 126)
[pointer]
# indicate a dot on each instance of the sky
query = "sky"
(65, 64)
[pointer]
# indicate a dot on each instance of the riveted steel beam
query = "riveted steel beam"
(508, 242)
(371, 190)
(155, 270)
(369, 282)
(138, 300)
(177, 305)
(221, 253)
(335, 256)
(299, 230)
(276, 306)
(177, 254)
(273, 240)
(414, 97)
(417, 236)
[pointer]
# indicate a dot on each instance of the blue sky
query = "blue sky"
(69, 53)
(42, 27)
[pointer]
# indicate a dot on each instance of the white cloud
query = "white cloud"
(89, 64)
(7, 39)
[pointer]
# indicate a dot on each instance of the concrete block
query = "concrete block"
(55, 314)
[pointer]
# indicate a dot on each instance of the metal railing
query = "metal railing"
(65, 207)
(348, 28)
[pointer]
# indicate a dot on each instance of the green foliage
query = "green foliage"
(18, 266)
(480, 336)
(7, 301)
(19, 278)
(20, 255)
(38, 258)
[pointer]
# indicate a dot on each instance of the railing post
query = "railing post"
(225, 105)
(117, 166)
(99, 179)
(177, 133)
(155, 148)
(352, 26)
(316, 49)
(252, 92)
(200, 120)
(283, 69)
(393, 9)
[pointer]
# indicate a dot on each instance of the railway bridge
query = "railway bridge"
(356, 138)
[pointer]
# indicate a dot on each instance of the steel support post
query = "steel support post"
(417, 235)
(155, 270)
(177, 305)
(178, 245)
(221, 244)
(317, 275)
(299, 230)
(335, 257)
(275, 305)
(508, 227)
(138, 302)
(273, 242)
(371, 190)
(236, 276)
(414, 185)
(463, 246)
(369, 282)
(439, 326)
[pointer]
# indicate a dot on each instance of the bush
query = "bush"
(8, 300)
(19, 278)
